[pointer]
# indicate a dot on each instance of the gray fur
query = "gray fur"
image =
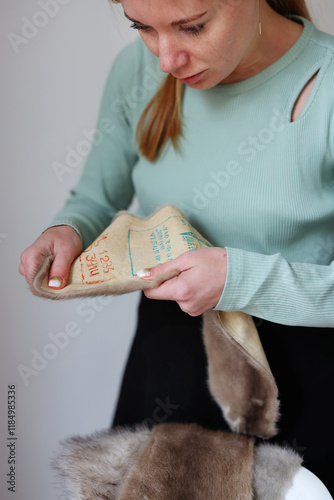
(97, 466)
(275, 468)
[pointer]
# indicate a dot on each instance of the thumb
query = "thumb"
(177, 265)
(60, 269)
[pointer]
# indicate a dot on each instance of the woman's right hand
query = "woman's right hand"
(64, 243)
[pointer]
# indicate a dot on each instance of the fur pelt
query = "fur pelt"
(186, 461)
(243, 387)
(274, 471)
(173, 462)
(97, 466)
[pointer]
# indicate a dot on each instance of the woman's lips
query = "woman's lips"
(191, 79)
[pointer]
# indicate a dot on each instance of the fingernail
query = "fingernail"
(55, 282)
(144, 273)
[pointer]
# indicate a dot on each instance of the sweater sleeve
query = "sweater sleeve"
(269, 287)
(272, 288)
(105, 186)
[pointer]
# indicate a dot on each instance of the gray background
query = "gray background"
(51, 88)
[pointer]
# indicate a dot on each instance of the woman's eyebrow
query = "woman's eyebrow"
(174, 23)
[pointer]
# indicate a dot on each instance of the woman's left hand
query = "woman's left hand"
(200, 283)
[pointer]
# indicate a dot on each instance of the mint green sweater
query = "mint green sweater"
(246, 177)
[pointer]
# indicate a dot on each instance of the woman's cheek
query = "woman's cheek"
(151, 42)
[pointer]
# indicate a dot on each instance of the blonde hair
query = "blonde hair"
(161, 120)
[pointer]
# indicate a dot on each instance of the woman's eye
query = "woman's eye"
(193, 30)
(136, 26)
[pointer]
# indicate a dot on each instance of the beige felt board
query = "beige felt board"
(130, 243)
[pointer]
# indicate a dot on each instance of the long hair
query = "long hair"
(161, 120)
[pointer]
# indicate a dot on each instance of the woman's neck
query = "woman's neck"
(278, 35)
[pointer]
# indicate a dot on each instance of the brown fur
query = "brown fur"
(185, 461)
(243, 387)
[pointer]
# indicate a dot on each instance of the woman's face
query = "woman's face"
(201, 42)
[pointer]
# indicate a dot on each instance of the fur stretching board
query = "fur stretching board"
(239, 376)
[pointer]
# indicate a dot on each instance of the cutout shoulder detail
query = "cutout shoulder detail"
(302, 98)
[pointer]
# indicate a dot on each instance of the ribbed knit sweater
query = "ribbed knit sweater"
(246, 176)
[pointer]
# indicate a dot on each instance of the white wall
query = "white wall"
(50, 93)
(51, 87)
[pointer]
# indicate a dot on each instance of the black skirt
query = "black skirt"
(165, 380)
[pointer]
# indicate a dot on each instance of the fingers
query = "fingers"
(179, 264)
(181, 289)
(200, 282)
(31, 261)
(167, 289)
(174, 288)
(60, 268)
(66, 249)
(21, 269)
(62, 244)
(164, 291)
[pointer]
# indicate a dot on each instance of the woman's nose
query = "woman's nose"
(171, 55)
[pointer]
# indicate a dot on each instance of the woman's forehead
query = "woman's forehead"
(166, 10)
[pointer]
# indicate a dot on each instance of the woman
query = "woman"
(239, 136)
